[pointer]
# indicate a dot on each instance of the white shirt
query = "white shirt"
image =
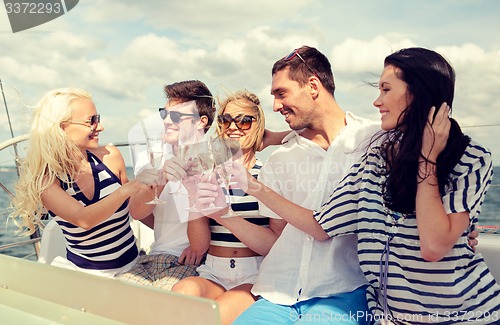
(298, 267)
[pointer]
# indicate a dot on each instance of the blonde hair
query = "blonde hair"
(245, 99)
(50, 156)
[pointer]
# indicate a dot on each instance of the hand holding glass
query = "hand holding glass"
(185, 142)
(224, 152)
(203, 164)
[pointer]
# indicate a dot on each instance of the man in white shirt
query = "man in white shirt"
(189, 104)
(302, 279)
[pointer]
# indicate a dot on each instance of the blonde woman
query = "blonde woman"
(82, 185)
(236, 245)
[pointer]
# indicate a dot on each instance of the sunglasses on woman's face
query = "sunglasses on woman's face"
(91, 122)
(243, 123)
(174, 115)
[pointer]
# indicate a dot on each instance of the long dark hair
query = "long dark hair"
(430, 80)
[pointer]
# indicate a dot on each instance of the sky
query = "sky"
(124, 52)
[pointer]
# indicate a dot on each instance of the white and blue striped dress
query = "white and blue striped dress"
(457, 289)
(109, 245)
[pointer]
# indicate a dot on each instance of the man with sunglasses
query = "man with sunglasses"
(302, 279)
(189, 104)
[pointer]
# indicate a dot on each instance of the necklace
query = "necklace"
(394, 219)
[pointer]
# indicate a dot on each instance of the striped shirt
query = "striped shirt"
(457, 289)
(246, 206)
(110, 244)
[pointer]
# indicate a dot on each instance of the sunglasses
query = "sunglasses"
(295, 53)
(91, 122)
(243, 123)
(174, 115)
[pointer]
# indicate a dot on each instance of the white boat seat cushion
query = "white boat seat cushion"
(53, 243)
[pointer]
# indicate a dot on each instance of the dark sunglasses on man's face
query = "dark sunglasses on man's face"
(243, 123)
(174, 115)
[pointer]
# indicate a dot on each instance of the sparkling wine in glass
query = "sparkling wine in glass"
(225, 150)
(207, 163)
(155, 147)
(201, 155)
(186, 140)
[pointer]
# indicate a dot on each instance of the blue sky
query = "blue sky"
(123, 52)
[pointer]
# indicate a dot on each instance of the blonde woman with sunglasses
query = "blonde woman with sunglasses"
(83, 186)
(236, 245)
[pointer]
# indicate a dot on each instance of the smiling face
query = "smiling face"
(246, 138)
(79, 130)
(393, 99)
(292, 101)
(188, 117)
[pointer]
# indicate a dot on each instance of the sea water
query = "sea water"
(490, 212)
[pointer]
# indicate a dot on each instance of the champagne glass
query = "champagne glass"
(187, 139)
(205, 158)
(203, 164)
(225, 151)
(155, 147)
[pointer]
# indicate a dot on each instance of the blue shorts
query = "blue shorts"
(345, 308)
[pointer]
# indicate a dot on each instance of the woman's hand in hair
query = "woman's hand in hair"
(436, 132)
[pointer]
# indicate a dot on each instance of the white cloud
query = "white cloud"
(354, 55)
(196, 18)
(478, 78)
(233, 50)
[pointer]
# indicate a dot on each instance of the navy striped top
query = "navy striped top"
(110, 244)
(457, 289)
(246, 206)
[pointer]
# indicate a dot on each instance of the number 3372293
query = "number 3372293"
(33, 8)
